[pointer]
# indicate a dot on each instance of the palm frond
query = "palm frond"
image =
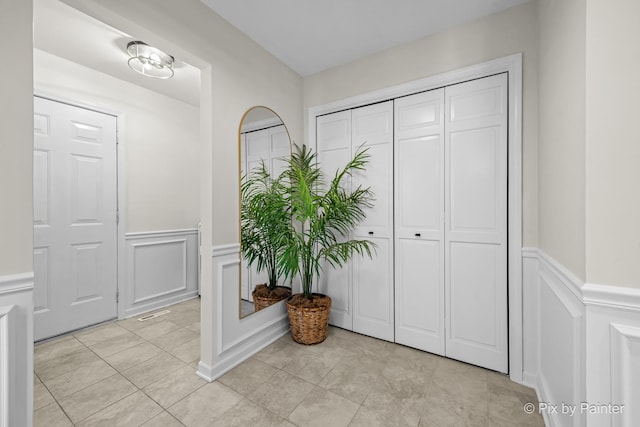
(324, 216)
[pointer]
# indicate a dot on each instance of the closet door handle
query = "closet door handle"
(418, 234)
(371, 233)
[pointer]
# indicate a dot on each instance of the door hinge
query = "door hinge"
(117, 217)
(117, 295)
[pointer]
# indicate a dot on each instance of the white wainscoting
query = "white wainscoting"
(231, 339)
(581, 345)
(16, 350)
(161, 269)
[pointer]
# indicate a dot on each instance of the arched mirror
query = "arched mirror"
(265, 148)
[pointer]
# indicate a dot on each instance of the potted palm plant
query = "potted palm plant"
(323, 214)
(264, 219)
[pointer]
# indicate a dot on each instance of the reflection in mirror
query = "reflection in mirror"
(264, 140)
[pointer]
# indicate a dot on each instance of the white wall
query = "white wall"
(16, 142)
(160, 136)
(501, 34)
(16, 215)
(561, 27)
(612, 143)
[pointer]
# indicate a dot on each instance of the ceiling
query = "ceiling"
(313, 35)
(309, 36)
(93, 44)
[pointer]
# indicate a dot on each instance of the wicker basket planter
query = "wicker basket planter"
(309, 319)
(260, 300)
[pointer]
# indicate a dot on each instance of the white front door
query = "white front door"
(75, 224)
(476, 222)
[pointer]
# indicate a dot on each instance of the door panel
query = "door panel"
(280, 149)
(419, 221)
(372, 128)
(257, 148)
(419, 294)
(87, 189)
(333, 131)
(373, 292)
(476, 233)
(475, 188)
(336, 282)
(379, 177)
(42, 270)
(75, 205)
(476, 333)
(419, 192)
(333, 148)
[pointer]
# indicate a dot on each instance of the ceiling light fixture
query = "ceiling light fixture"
(149, 61)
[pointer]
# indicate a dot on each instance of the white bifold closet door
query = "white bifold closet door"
(334, 151)
(451, 221)
(419, 234)
(362, 291)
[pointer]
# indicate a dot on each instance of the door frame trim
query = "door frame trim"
(512, 65)
(121, 223)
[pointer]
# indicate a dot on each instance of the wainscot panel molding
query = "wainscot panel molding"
(161, 269)
(16, 350)
(232, 340)
(581, 345)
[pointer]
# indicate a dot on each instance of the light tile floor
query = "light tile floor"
(132, 373)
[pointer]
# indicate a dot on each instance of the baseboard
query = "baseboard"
(232, 359)
(229, 339)
(161, 269)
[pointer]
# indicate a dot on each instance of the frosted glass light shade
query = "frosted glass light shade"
(149, 61)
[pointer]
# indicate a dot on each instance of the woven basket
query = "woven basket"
(263, 302)
(309, 325)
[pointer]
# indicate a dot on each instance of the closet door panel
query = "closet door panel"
(476, 234)
(333, 147)
(337, 283)
(419, 192)
(280, 147)
(373, 292)
(333, 131)
(258, 148)
(419, 319)
(379, 177)
(419, 221)
(476, 209)
(372, 129)
(474, 288)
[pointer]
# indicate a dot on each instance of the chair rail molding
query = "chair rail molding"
(582, 344)
(230, 339)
